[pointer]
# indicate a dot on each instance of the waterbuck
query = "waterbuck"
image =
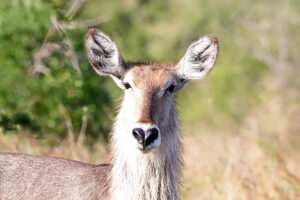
(145, 146)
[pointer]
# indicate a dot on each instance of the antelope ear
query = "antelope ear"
(199, 59)
(104, 56)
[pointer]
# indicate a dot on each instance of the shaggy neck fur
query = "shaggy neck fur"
(154, 175)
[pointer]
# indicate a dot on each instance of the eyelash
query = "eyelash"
(171, 88)
(127, 85)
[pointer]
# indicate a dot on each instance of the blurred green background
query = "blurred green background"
(46, 80)
(241, 124)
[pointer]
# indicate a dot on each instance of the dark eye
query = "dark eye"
(171, 88)
(127, 85)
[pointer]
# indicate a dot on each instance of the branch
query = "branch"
(47, 49)
(75, 6)
(85, 23)
(42, 56)
(81, 136)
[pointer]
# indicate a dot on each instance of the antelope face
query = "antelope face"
(148, 102)
(148, 108)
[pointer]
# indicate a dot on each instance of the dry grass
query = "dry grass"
(228, 166)
(68, 148)
(260, 160)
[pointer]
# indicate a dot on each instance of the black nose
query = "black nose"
(139, 135)
(145, 138)
(151, 136)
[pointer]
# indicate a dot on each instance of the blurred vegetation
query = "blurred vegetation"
(46, 80)
(241, 124)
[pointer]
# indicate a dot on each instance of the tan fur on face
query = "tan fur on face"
(149, 79)
(156, 174)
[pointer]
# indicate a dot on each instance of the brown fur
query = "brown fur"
(150, 78)
(37, 177)
(133, 173)
(157, 174)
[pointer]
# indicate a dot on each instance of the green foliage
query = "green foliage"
(144, 30)
(19, 119)
(32, 101)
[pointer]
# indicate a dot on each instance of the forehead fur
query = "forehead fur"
(152, 76)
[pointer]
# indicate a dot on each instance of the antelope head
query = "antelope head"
(148, 111)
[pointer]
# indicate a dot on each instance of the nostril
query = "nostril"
(151, 136)
(139, 135)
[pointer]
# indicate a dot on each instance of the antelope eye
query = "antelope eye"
(127, 85)
(171, 88)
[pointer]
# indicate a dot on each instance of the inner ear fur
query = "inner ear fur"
(103, 54)
(199, 59)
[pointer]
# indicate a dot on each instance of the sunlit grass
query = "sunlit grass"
(259, 160)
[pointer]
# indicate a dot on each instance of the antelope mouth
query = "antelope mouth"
(145, 151)
(148, 148)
